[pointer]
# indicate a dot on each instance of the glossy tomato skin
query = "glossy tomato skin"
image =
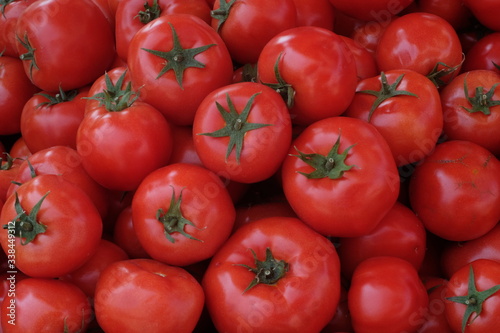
(99, 86)
(308, 292)
(46, 305)
(73, 227)
(176, 98)
(484, 11)
(145, 295)
(203, 201)
(15, 90)
(111, 153)
(46, 123)
(411, 124)
(486, 275)
(124, 235)
(318, 13)
(454, 191)
(435, 41)
(454, 11)
(372, 182)
(319, 67)
(87, 50)
(249, 27)
(484, 54)
(386, 295)
(263, 149)
(10, 13)
(365, 61)
(370, 10)
(435, 320)
(400, 234)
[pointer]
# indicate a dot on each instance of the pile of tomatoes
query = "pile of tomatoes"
(250, 166)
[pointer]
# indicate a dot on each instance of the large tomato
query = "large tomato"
(485, 11)
(144, 295)
(455, 191)
(387, 296)
(340, 177)
(10, 11)
(182, 214)
(52, 226)
(64, 45)
(313, 69)
(484, 54)
(176, 60)
(273, 275)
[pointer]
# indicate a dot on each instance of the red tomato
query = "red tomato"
(433, 49)
(124, 235)
(45, 305)
(396, 282)
(86, 276)
(435, 319)
(19, 151)
(246, 214)
(340, 164)
(176, 60)
(64, 45)
(371, 10)
(15, 90)
(182, 214)
(313, 69)
(399, 234)
(242, 132)
(367, 35)
(454, 191)
(471, 105)
(453, 11)
(8, 172)
(10, 12)
(473, 300)
(52, 226)
(246, 26)
(143, 295)
(365, 61)
(273, 274)
(318, 13)
(485, 11)
(405, 107)
(52, 119)
(484, 54)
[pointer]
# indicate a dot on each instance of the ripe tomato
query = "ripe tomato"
(318, 13)
(433, 49)
(182, 214)
(45, 305)
(340, 164)
(8, 172)
(64, 45)
(405, 107)
(176, 60)
(246, 26)
(473, 300)
(144, 295)
(484, 54)
(453, 11)
(242, 132)
(365, 61)
(396, 282)
(52, 226)
(314, 71)
(454, 191)
(10, 12)
(471, 106)
(19, 151)
(275, 274)
(485, 12)
(124, 235)
(435, 319)
(371, 10)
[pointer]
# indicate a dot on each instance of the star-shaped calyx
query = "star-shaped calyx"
(178, 58)
(482, 101)
(236, 125)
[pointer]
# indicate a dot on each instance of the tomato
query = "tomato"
(371, 10)
(64, 45)
(63, 161)
(435, 319)
(45, 305)
(10, 12)
(246, 26)
(340, 164)
(86, 276)
(124, 235)
(313, 69)
(433, 49)
(471, 105)
(458, 254)
(454, 191)
(182, 214)
(242, 132)
(275, 274)
(52, 119)
(19, 151)
(318, 13)
(473, 300)
(399, 234)
(8, 172)
(107, 140)
(253, 212)
(145, 295)
(132, 15)
(367, 35)
(15, 90)
(365, 61)
(485, 12)
(484, 54)
(454, 11)
(52, 226)
(176, 60)
(405, 107)
(341, 321)
(394, 281)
